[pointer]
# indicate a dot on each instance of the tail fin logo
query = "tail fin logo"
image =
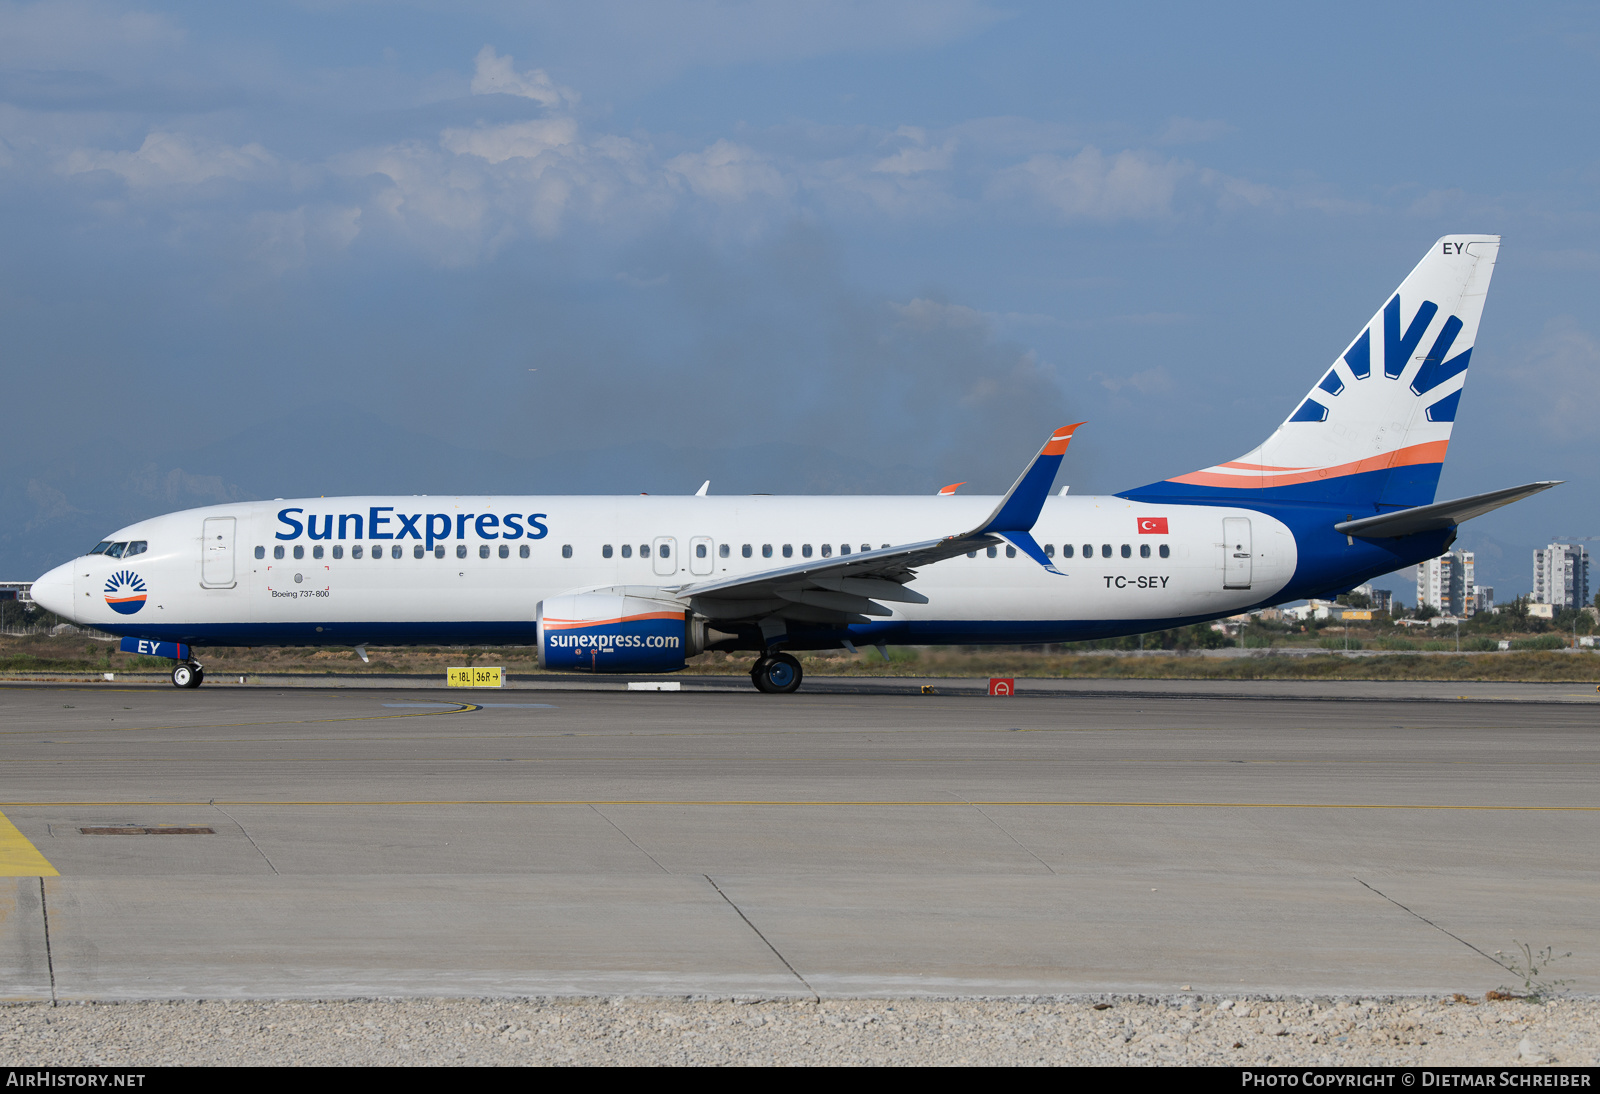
(1398, 348)
(125, 592)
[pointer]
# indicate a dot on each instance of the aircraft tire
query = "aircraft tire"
(777, 674)
(183, 676)
(199, 676)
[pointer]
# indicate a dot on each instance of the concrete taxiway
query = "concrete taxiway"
(389, 841)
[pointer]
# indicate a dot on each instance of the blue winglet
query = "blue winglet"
(1026, 544)
(1019, 509)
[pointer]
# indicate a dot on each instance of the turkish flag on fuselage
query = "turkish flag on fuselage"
(1153, 526)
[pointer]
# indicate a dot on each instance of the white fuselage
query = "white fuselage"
(213, 575)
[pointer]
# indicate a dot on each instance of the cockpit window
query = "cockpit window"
(116, 549)
(137, 547)
(100, 548)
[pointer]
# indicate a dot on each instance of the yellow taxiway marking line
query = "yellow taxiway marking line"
(18, 857)
(832, 803)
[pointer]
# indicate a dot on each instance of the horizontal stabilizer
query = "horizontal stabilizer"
(1440, 515)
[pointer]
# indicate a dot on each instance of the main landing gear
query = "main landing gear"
(776, 674)
(188, 674)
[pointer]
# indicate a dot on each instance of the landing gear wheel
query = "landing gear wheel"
(187, 675)
(776, 674)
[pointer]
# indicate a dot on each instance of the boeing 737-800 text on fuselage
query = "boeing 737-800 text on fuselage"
(1342, 491)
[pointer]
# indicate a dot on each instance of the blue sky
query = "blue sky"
(257, 251)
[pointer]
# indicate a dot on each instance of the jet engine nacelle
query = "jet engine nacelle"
(613, 632)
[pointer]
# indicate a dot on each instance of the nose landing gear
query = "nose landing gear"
(187, 674)
(776, 674)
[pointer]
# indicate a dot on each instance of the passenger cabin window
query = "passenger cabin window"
(522, 552)
(137, 547)
(417, 551)
(745, 551)
(722, 550)
(355, 552)
(866, 546)
(766, 550)
(316, 552)
(788, 550)
(827, 550)
(699, 550)
(1165, 550)
(805, 550)
(605, 551)
(566, 550)
(666, 550)
(261, 552)
(644, 550)
(992, 552)
(505, 550)
(461, 550)
(1088, 550)
(1105, 550)
(396, 551)
(438, 550)
(1067, 550)
(299, 551)
(338, 551)
(1049, 550)
(1127, 552)
(844, 548)
(1011, 552)
(483, 551)
(277, 552)
(1144, 550)
(972, 554)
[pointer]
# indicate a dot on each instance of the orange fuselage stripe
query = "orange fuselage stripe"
(1431, 452)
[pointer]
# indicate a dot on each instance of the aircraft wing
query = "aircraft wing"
(846, 589)
(1443, 514)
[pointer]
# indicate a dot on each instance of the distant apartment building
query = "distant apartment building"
(1561, 575)
(1483, 597)
(1379, 600)
(1445, 584)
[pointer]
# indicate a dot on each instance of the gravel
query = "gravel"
(1113, 1030)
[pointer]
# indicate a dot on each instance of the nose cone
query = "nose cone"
(53, 592)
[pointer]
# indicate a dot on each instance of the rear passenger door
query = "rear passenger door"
(1236, 553)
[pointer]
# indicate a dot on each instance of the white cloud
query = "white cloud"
(285, 240)
(916, 156)
(1094, 186)
(520, 140)
(174, 159)
(495, 75)
(728, 172)
(1151, 381)
(924, 314)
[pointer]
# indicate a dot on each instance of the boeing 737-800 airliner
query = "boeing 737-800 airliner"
(1342, 491)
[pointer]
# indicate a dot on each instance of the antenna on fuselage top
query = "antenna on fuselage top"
(700, 493)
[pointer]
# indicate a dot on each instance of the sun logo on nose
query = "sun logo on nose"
(125, 592)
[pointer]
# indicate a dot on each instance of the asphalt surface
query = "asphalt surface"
(396, 842)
